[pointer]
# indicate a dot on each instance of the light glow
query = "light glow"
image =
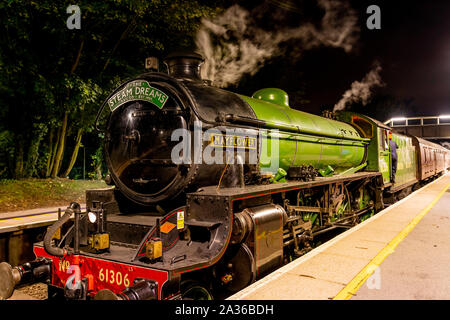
(444, 117)
(398, 119)
(92, 217)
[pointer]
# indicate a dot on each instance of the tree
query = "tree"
(53, 79)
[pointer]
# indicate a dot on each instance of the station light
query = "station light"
(444, 117)
(398, 119)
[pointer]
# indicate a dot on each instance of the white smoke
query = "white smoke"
(233, 45)
(361, 91)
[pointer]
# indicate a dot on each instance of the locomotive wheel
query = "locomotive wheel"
(238, 267)
(194, 290)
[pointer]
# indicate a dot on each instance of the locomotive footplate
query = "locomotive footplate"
(256, 190)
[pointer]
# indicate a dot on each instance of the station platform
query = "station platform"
(26, 219)
(400, 253)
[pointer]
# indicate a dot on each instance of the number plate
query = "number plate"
(105, 274)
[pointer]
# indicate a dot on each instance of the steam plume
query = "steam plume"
(234, 45)
(361, 91)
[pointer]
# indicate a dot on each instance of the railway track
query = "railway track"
(37, 291)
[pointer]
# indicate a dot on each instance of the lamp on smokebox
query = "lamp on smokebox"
(152, 64)
(99, 240)
(92, 217)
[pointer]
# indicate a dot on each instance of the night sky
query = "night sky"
(413, 48)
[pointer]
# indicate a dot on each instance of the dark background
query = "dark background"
(412, 47)
(53, 80)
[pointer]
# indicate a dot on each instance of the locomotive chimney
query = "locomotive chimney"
(184, 65)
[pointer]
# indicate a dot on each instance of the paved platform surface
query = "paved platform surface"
(18, 220)
(419, 266)
(360, 263)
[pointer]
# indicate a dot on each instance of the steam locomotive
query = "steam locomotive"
(212, 190)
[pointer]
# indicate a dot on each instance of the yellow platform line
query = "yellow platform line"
(350, 289)
(36, 215)
(30, 216)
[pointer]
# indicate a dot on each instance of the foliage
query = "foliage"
(38, 193)
(48, 70)
(7, 152)
(98, 164)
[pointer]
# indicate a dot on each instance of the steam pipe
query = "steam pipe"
(76, 229)
(48, 246)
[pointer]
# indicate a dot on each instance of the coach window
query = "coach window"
(384, 139)
(381, 139)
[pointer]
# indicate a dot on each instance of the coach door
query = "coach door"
(384, 159)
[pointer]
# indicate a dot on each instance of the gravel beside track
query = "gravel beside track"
(37, 291)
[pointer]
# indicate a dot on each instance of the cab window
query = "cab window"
(363, 125)
(384, 144)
